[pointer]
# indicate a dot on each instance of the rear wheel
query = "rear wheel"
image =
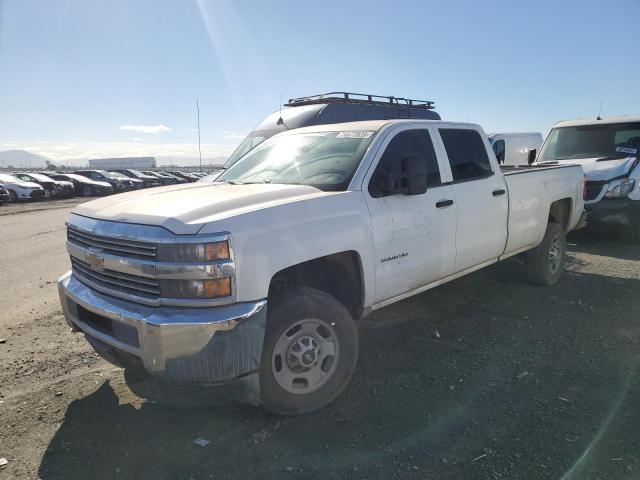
(545, 263)
(87, 191)
(310, 351)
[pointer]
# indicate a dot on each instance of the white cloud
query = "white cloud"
(146, 128)
(190, 129)
(233, 136)
(137, 139)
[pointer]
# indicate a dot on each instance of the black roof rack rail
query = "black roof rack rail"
(361, 98)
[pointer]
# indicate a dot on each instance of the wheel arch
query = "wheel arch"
(339, 275)
(560, 212)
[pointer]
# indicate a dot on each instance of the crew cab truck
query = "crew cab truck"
(258, 278)
(608, 151)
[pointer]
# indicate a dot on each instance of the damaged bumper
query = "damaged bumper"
(617, 213)
(206, 345)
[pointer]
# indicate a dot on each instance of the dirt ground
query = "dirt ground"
(486, 377)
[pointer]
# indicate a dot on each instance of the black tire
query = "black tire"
(87, 191)
(13, 197)
(545, 263)
(301, 304)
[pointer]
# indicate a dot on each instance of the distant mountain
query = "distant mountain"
(23, 159)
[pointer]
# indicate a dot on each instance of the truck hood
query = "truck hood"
(184, 209)
(604, 169)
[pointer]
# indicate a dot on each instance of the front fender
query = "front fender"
(269, 240)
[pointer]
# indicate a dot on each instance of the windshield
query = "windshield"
(115, 175)
(8, 178)
(606, 141)
(326, 160)
(41, 178)
(249, 143)
(72, 176)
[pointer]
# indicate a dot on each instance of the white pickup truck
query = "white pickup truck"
(607, 149)
(257, 279)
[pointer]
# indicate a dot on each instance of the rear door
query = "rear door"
(414, 235)
(480, 195)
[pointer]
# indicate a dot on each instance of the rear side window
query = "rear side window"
(409, 142)
(467, 154)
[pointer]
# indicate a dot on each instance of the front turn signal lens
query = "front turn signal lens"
(220, 287)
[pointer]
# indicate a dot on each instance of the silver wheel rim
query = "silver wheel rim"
(555, 255)
(305, 356)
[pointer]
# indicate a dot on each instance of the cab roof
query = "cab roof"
(373, 125)
(594, 121)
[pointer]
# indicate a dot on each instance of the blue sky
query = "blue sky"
(73, 72)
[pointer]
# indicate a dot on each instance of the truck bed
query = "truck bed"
(531, 195)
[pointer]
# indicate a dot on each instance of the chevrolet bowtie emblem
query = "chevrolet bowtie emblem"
(93, 259)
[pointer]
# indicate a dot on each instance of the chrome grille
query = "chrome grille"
(593, 189)
(112, 245)
(118, 281)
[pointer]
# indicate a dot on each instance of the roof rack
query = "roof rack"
(361, 98)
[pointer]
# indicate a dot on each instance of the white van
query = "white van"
(515, 148)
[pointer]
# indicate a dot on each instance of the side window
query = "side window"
(467, 154)
(409, 142)
(498, 148)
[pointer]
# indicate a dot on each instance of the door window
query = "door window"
(467, 154)
(409, 142)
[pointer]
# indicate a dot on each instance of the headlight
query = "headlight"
(193, 252)
(212, 288)
(621, 189)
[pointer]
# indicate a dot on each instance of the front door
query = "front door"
(414, 235)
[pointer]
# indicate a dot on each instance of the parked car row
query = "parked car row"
(17, 186)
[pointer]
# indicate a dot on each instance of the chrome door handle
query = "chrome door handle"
(444, 203)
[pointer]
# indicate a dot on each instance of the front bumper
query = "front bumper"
(35, 194)
(213, 345)
(613, 212)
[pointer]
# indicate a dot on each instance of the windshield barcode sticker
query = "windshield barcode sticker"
(354, 134)
(629, 150)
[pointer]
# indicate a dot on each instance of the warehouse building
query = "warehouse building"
(138, 163)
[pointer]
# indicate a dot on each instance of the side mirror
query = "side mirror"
(532, 156)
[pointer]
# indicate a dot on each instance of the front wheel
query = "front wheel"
(13, 197)
(545, 263)
(87, 191)
(309, 353)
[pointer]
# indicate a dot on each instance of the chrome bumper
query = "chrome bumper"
(206, 345)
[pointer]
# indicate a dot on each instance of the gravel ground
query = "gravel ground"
(486, 377)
